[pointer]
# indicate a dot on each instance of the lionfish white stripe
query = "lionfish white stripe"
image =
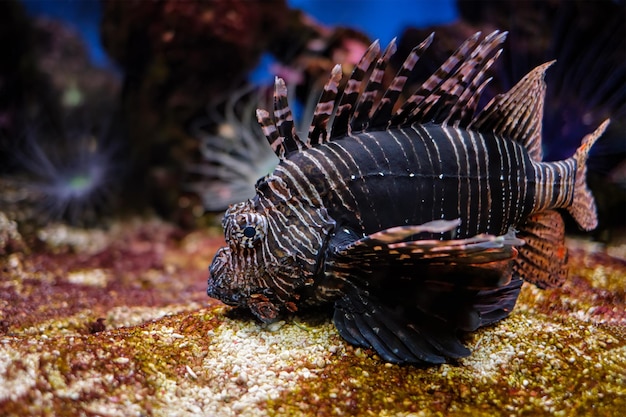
(297, 183)
(323, 170)
(434, 142)
(400, 145)
(502, 184)
(477, 164)
(304, 238)
(454, 137)
(469, 178)
(294, 233)
(430, 160)
(274, 228)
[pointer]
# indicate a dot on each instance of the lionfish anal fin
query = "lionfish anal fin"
(543, 260)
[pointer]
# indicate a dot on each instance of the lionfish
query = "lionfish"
(416, 221)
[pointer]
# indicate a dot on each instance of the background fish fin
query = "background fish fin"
(450, 94)
(364, 321)
(351, 91)
(583, 208)
(543, 259)
(518, 113)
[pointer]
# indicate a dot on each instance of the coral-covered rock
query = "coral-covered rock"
(177, 57)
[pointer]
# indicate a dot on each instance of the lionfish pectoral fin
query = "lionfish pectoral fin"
(471, 276)
(543, 260)
(393, 244)
(363, 321)
(496, 304)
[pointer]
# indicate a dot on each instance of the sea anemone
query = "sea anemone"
(234, 151)
(68, 177)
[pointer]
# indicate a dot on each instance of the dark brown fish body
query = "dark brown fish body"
(407, 222)
(374, 181)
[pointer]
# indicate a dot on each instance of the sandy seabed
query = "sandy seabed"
(117, 323)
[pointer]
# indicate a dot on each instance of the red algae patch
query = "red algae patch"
(123, 328)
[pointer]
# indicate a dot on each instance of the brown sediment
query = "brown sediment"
(124, 327)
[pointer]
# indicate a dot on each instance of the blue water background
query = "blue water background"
(379, 19)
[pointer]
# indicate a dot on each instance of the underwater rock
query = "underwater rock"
(25, 88)
(65, 159)
(176, 57)
(10, 238)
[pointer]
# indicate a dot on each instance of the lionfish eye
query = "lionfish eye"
(250, 228)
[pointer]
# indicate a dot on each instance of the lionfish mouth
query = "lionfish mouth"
(219, 287)
(219, 276)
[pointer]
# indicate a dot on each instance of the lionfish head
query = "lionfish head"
(256, 270)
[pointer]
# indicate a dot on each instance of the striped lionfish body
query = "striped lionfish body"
(417, 220)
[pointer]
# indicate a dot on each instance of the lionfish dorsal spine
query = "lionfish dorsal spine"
(439, 96)
(402, 114)
(464, 108)
(325, 108)
(283, 118)
(271, 133)
(518, 113)
(384, 108)
(373, 88)
(346, 107)
(448, 97)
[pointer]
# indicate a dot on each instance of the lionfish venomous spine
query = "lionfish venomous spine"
(417, 220)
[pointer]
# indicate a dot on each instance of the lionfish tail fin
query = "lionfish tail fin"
(583, 208)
